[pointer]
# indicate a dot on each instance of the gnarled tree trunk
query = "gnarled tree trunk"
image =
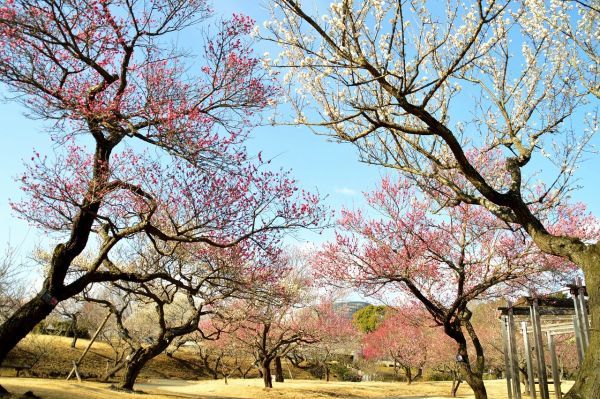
(475, 381)
(138, 360)
(408, 374)
(20, 323)
(472, 374)
(266, 373)
(26, 317)
(587, 383)
(278, 370)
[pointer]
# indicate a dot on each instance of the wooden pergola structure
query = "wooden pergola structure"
(539, 317)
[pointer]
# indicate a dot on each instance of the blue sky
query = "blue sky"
(318, 165)
(331, 168)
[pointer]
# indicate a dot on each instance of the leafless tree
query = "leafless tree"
(11, 290)
(151, 315)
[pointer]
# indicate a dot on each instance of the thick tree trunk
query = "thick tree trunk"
(20, 323)
(266, 371)
(587, 383)
(31, 313)
(278, 370)
(472, 374)
(476, 383)
(132, 371)
(138, 360)
(408, 373)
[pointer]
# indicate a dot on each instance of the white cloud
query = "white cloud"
(345, 191)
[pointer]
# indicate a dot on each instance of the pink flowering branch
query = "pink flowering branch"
(166, 164)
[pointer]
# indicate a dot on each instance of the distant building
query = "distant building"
(349, 308)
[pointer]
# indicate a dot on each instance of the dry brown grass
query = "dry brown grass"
(166, 377)
(56, 357)
(247, 389)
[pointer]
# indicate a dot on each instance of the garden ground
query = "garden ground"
(247, 389)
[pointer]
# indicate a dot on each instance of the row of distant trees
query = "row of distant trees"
(152, 195)
(406, 339)
(255, 328)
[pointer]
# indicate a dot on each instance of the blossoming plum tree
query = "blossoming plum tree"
(335, 333)
(270, 324)
(148, 143)
(445, 259)
(403, 337)
(429, 88)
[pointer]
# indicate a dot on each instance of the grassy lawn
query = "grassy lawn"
(178, 377)
(247, 389)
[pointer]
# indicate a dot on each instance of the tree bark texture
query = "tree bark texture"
(473, 375)
(408, 373)
(279, 377)
(31, 313)
(587, 383)
(20, 323)
(138, 360)
(266, 371)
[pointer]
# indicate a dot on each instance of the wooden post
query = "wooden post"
(574, 294)
(531, 376)
(539, 347)
(76, 371)
(514, 357)
(555, 373)
(78, 362)
(578, 342)
(585, 321)
(507, 363)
